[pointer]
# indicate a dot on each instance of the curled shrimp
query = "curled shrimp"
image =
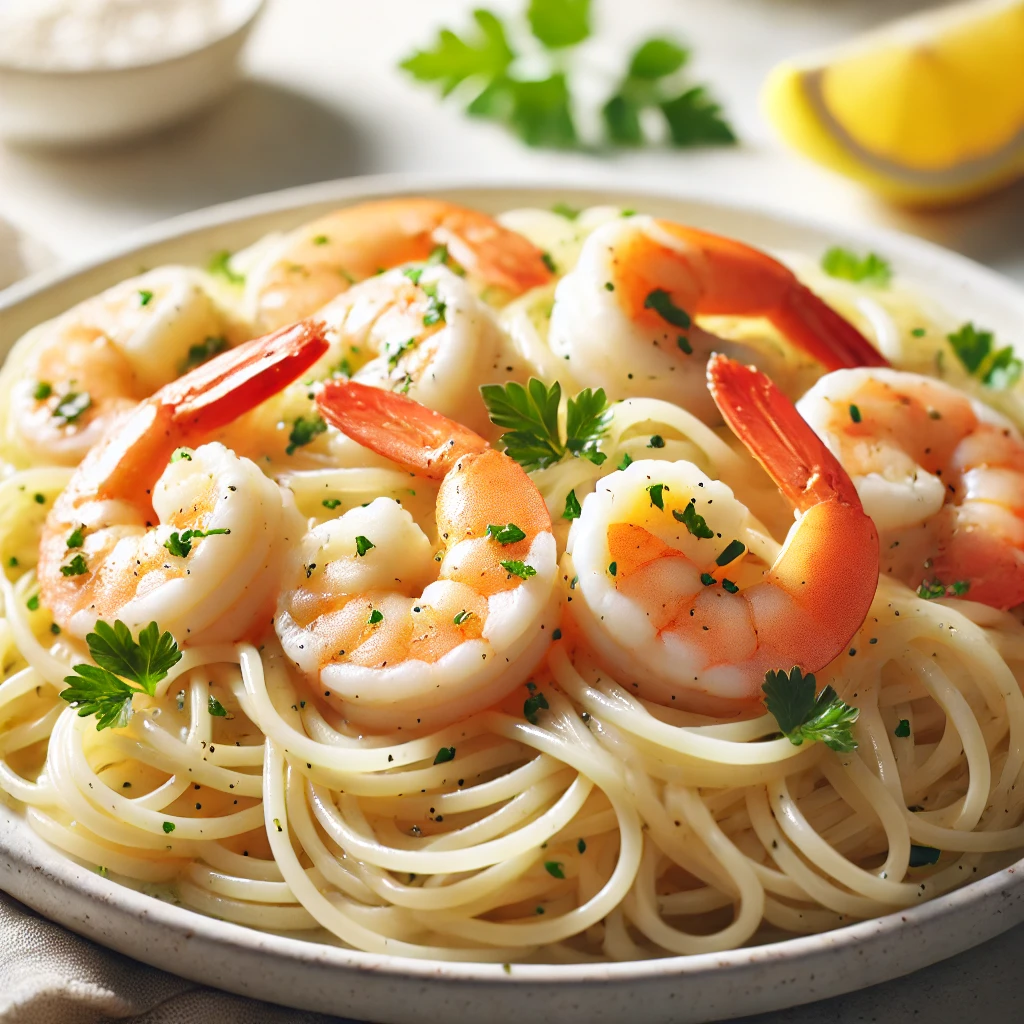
(81, 371)
(669, 597)
(623, 317)
(941, 474)
(148, 529)
(394, 634)
(320, 260)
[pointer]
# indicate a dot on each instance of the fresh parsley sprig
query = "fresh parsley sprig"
(532, 94)
(530, 417)
(653, 82)
(996, 368)
(802, 716)
(101, 689)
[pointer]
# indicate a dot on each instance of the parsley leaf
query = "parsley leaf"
(375, 616)
(692, 117)
(534, 703)
(453, 59)
(304, 431)
(693, 521)
(180, 544)
(922, 856)
(42, 391)
(71, 406)
(559, 23)
(534, 440)
(96, 692)
(572, 506)
(932, 589)
(661, 302)
(509, 534)
(802, 716)
(76, 567)
(516, 568)
(695, 119)
(215, 707)
(145, 662)
(76, 538)
(657, 495)
(997, 369)
(530, 415)
(586, 421)
(202, 352)
(902, 729)
(486, 70)
(554, 868)
(363, 544)
(220, 266)
(871, 269)
(444, 755)
(657, 58)
(101, 689)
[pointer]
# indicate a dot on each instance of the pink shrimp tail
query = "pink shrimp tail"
(829, 563)
(768, 424)
(822, 333)
(397, 427)
(218, 392)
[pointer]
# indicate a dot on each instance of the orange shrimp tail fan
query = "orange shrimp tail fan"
(218, 392)
(397, 427)
(772, 430)
(813, 325)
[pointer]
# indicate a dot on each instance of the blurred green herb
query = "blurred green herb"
(482, 65)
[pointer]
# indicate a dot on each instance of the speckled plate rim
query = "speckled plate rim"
(301, 974)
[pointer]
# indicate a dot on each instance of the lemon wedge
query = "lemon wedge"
(927, 110)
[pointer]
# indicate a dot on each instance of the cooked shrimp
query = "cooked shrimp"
(668, 596)
(623, 317)
(320, 260)
(192, 541)
(941, 474)
(354, 618)
(97, 360)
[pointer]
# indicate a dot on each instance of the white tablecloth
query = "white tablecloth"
(323, 101)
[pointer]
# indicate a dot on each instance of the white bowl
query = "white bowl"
(45, 107)
(329, 979)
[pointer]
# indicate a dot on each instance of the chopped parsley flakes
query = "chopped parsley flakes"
(517, 568)
(444, 755)
(871, 269)
(509, 534)
(572, 506)
(71, 407)
(363, 544)
(694, 522)
(180, 544)
(304, 431)
(996, 368)
(661, 302)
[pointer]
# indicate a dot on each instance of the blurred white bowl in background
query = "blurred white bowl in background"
(45, 102)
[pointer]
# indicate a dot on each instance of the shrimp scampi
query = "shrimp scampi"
(323, 259)
(941, 474)
(92, 364)
(623, 317)
(151, 529)
(398, 636)
(666, 592)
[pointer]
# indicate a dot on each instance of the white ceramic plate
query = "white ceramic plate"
(369, 987)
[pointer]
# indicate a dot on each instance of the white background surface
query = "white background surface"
(323, 100)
